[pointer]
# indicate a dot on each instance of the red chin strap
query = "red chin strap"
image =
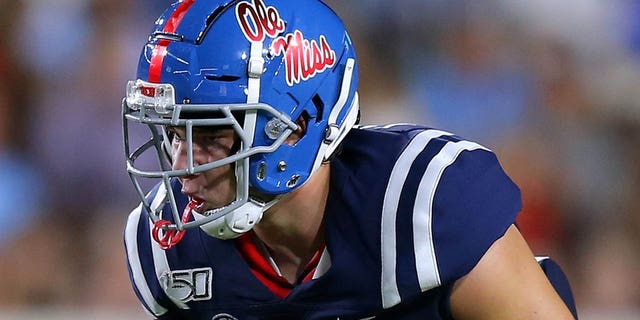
(170, 238)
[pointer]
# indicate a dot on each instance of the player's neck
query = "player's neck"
(292, 229)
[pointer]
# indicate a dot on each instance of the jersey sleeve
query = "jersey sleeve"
(473, 205)
(140, 264)
(447, 201)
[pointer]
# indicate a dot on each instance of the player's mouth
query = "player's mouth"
(201, 205)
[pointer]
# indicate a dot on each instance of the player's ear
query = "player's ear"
(295, 136)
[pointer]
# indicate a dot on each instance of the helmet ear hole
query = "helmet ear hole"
(302, 123)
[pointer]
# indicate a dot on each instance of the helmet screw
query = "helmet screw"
(274, 128)
(282, 166)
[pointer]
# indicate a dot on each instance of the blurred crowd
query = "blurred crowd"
(553, 87)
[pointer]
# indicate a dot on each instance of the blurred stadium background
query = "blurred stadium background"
(552, 86)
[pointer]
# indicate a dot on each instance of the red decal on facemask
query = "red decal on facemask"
(258, 21)
(148, 91)
(160, 50)
(304, 59)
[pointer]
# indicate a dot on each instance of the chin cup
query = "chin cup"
(235, 223)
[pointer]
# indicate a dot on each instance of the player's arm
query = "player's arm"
(507, 283)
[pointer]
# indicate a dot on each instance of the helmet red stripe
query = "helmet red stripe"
(160, 50)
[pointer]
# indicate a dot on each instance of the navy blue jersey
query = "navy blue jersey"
(410, 210)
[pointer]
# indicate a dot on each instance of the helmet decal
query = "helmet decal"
(304, 58)
(266, 21)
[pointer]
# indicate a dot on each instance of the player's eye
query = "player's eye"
(173, 135)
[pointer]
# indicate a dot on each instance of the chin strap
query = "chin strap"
(236, 222)
(170, 238)
(229, 226)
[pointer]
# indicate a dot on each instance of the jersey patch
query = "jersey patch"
(188, 285)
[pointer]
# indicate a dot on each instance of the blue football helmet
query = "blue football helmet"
(256, 66)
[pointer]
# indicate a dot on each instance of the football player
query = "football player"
(272, 203)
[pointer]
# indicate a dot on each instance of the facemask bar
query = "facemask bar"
(154, 115)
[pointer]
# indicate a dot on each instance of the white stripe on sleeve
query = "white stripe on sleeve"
(426, 263)
(389, 290)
